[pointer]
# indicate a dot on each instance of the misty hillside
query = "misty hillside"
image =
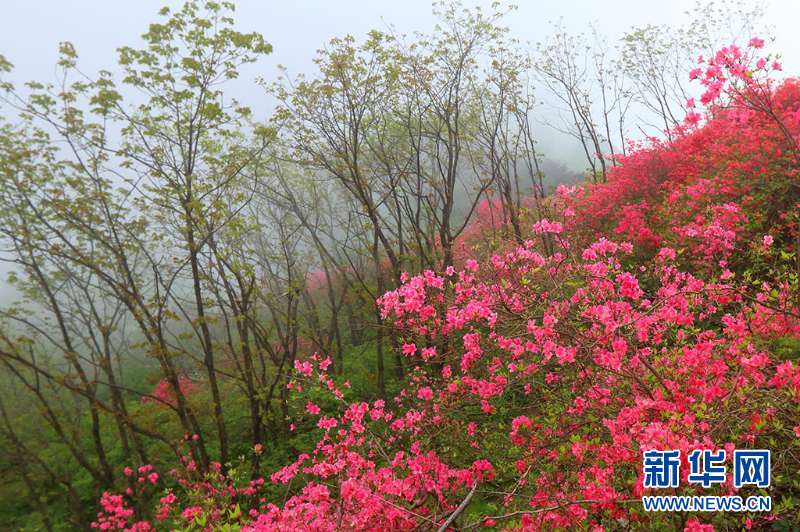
(443, 280)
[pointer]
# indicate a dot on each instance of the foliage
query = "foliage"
(669, 327)
(362, 315)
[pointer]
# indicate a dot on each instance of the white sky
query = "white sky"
(30, 30)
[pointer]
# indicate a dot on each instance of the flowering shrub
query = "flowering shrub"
(194, 499)
(709, 191)
(164, 394)
(653, 313)
(583, 366)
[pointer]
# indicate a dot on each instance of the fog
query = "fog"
(30, 31)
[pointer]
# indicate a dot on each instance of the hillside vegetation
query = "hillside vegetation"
(376, 310)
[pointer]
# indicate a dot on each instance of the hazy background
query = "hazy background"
(30, 31)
